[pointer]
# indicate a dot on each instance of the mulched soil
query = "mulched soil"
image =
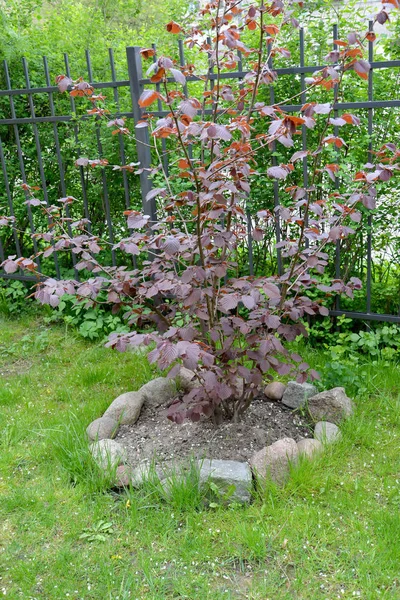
(153, 436)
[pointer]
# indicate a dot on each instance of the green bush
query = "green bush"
(13, 297)
(93, 322)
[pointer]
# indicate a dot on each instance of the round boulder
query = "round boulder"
(159, 391)
(108, 454)
(136, 477)
(327, 432)
(332, 405)
(274, 461)
(309, 447)
(275, 390)
(126, 408)
(103, 428)
(296, 394)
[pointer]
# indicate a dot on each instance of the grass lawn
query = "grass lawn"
(332, 532)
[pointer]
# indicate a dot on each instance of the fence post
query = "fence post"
(135, 73)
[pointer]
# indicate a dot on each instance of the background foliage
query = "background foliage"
(34, 28)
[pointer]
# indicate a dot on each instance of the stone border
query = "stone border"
(326, 409)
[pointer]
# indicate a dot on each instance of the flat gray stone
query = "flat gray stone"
(327, 432)
(103, 428)
(332, 405)
(226, 473)
(159, 391)
(296, 394)
(275, 390)
(108, 454)
(309, 447)
(274, 461)
(126, 408)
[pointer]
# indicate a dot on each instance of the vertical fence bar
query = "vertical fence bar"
(210, 65)
(185, 87)
(335, 34)
(59, 157)
(275, 183)
(121, 141)
(250, 241)
(303, 127)
(370, 158)
(21, 162)
(39, 155)
(9, 198)
(210, 72)
(248, 213)
(141, 133)
(76, 136)
(106, 204)
(164, 158)
(3, 166)
(121, 137)
(182, 62)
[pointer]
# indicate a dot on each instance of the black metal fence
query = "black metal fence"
(41, 135)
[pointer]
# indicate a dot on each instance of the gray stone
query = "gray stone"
(186, 379)
(226, 473)
(159, 391)
(100, 429)
(123, 476)
(297, 394)
(126, 408)
(238, 387)
(274, 461)
(108, 454)
(128, 476)
(332, 405)
(327, 432)
(309, 447)
(275, 390)
(144, 472)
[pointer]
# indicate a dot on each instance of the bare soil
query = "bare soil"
(154, 437)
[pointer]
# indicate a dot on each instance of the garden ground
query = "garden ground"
(332, 532)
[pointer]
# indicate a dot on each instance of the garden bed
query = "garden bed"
(153, 436)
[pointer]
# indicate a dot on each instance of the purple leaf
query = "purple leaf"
(338, 122)
(298, 155)
(63, 83)
(352, 38)
(10, 266)
(322, 109)
(248, 302)
(228, 302)
(277, 172)
(82, 162)
(362, 67)
(178, 76)
(153, 193)
(171, 245)
(136, 220)
(272, 290)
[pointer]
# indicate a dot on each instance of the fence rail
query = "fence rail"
(40, 110)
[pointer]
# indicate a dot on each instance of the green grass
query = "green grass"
(332, 532)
